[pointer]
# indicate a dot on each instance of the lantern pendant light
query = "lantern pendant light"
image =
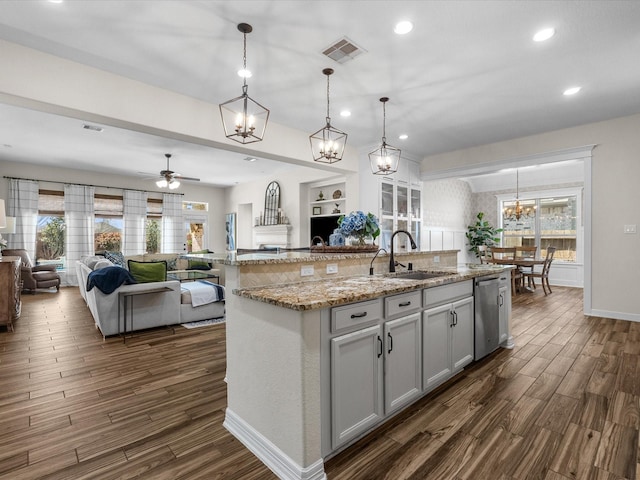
(244, 119)
(385, 159)
(327, 144)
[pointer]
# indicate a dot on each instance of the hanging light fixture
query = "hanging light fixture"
(385, 159)
(244, 119)
(327, 144)
(518, 211)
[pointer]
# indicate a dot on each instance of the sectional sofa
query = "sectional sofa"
(169, 307)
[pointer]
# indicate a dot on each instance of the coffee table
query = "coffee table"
(191, 275)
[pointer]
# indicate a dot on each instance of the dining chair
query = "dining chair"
(483, 254)
(544, 274)
(526, 252)
(503, 255)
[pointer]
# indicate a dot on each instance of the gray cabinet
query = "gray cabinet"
(503, 314)
(447, 332)
(402, 362)
(356, 383)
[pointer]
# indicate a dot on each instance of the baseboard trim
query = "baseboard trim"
(632, 317)
(274, 458)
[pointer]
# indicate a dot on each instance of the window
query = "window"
(547, 221)
(108, 223)
(50, 233)
(153, 227)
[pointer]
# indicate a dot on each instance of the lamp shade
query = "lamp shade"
(3, 215)
(10, 226)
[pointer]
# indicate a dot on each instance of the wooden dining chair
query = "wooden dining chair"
(503, 255)
(526, 252)
(483, 254)
(544, 274)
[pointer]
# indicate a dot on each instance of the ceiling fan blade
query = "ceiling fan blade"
(190, 179)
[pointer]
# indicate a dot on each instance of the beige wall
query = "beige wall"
(615, 200)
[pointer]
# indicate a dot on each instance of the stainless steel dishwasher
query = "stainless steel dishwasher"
(486, 296)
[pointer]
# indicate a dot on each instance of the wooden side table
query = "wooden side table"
(10, 288)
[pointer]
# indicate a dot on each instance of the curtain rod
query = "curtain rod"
(86, 185)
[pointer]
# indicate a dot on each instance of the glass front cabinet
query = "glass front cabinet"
(400, 209)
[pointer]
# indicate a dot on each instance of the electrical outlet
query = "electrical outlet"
(630, 229)
(332, 268)
(306, 271)
(436, 259)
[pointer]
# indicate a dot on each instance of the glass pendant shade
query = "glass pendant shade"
(385, 159)
(244, 120)
(327, 144)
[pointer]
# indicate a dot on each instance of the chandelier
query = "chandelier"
(327, 144)
(518, 211)
(244, 119)
(385, 159)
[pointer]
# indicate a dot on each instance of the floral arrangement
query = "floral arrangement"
(360, 225)
(3, 243)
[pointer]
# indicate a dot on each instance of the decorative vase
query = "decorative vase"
(336, 239)
(360, 239)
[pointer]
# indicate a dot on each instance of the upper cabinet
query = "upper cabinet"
(397, 200)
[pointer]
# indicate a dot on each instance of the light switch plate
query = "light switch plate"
(630, 229)
(332, 268)
(436, 259)
(306, 271)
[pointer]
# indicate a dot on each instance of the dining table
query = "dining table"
(520, 262)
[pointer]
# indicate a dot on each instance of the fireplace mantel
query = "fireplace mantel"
(272, 236)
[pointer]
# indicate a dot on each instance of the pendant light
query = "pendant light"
(518, 211)
(327, 144)
(385, 159)
(244, 119)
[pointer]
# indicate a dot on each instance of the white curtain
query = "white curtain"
(23, 204)
(135, 217)
(173, 234)
(79, 220)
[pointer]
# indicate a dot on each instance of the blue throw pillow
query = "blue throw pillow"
(116, 258)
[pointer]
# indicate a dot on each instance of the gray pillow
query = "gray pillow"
(102, 264)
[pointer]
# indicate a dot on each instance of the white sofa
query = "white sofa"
(145, 311)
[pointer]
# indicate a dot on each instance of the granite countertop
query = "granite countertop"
(338, 291)
(271, 257)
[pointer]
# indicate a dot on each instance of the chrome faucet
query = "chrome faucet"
(374, 257)
(392, 262)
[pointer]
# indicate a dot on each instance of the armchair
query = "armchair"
(34, 276)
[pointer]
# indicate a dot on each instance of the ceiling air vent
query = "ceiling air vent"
(93, 128)
(343, 50)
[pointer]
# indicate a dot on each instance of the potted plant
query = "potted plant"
(482, 233)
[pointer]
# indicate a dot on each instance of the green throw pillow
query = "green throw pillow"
(145, 272)
(198, 265)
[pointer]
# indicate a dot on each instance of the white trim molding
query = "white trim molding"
(274, 458)
(632, 317)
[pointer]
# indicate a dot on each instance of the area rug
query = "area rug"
(204, 323)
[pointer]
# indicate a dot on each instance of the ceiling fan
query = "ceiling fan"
(171, 179)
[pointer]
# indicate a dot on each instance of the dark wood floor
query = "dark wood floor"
(564, 404)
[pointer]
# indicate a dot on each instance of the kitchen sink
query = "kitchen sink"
(417, 275)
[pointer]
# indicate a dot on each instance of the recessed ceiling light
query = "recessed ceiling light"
(55, 1)
(544, 34)
(244, 73)
(345, 113)
(250, 159)
(403, 27)
(571, 91)
(93, 128)
(403, 136)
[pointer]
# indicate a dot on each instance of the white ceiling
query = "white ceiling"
(468, 74)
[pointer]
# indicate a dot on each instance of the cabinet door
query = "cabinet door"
(436, 345)
(503, 315)
(356, 383)
(462, 342)
(403, 361)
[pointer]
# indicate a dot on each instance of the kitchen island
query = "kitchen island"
(314, 365)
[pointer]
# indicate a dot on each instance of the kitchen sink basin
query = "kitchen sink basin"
(417, 275)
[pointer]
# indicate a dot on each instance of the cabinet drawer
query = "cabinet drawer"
(447, 293)
(356, 314)
(402, 304)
